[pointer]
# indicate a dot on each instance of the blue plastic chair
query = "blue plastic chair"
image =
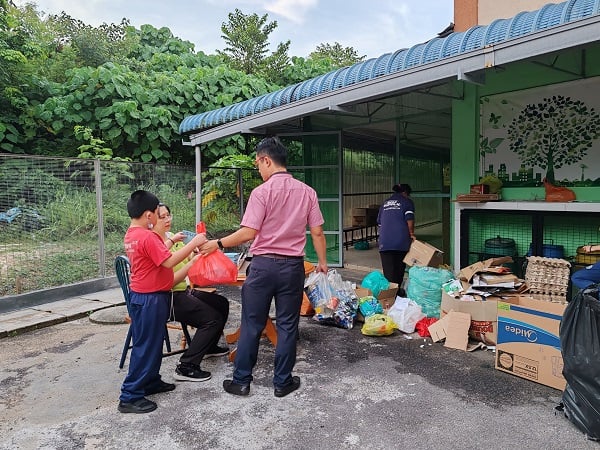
(123, 270)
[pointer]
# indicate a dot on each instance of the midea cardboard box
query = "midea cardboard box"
(423, 254)
(528, 340)
(484, 316)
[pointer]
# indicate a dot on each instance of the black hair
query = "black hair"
(140, 202)
(273, 148)
(166, 206)
(402, 188)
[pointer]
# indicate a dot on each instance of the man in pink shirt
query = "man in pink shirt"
(276, 217)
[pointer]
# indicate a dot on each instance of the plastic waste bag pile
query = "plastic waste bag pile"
(333, 299)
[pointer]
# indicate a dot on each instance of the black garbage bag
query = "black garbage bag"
(580, 346)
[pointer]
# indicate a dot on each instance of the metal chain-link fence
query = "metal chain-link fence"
(62, 221)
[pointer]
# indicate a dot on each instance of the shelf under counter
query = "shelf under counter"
(539, 211)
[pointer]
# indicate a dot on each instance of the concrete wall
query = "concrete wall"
(468, 13)
(489, 10)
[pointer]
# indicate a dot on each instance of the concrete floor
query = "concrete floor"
(368, 260)
(60, 384)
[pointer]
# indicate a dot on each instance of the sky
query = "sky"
(371, 27)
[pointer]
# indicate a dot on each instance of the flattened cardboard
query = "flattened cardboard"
(457, 330)
(466, 273)
(423, 254)
(437, 330)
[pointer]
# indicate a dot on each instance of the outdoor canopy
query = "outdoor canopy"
(461, 56)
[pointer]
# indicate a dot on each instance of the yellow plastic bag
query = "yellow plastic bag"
(378, 325)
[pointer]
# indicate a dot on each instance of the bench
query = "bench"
(366, 233)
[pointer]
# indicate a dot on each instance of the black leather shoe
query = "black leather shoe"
(236, 389)
(159, 387)
(285, 390)
(139, 406)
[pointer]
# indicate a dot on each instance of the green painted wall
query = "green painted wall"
(567, 66)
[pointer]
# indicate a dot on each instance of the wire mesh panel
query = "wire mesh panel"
(532, 233)
(49, 226)
(62, 221)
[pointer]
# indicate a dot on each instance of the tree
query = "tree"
(301, 69)
(339, 56)
(20, 50)
(247, 45)
(556, 132)
(85, 45)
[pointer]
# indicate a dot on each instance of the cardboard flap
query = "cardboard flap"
(457, 331)
(466, 273)
(437, 330)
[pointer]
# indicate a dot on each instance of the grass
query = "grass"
(63, 247)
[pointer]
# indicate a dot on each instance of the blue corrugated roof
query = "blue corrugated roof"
(436, 49)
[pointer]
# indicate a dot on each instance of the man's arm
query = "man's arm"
(241, 236)
(179, 255)
(320, 244)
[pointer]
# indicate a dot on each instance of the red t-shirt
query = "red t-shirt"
(146, 252)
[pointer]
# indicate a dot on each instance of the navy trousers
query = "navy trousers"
(393, 265)
(149, 312)
(283, 280)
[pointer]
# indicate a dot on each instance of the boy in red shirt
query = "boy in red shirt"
(151, 282)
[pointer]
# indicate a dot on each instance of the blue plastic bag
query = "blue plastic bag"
(376, 282)
(369, 305)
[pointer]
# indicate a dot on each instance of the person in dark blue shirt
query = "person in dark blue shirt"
(588, 275)
(396, 220)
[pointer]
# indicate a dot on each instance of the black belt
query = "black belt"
(278, 256)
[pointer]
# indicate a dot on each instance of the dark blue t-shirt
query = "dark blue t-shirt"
(393, 229)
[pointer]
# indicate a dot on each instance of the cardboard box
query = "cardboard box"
(359, 221)
(484, 316)
(423, 254)
(359, 211)
(372, 216)
(387, 297)
(362, 292)
(528, 340)
(480, 189)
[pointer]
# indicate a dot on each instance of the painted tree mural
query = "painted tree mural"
(556, 132)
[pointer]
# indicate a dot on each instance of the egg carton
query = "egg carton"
(548, 275)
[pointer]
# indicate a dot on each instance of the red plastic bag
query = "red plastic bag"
(422, 326)
(214, 268)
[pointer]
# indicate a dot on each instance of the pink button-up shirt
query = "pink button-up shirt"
(280, 210)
